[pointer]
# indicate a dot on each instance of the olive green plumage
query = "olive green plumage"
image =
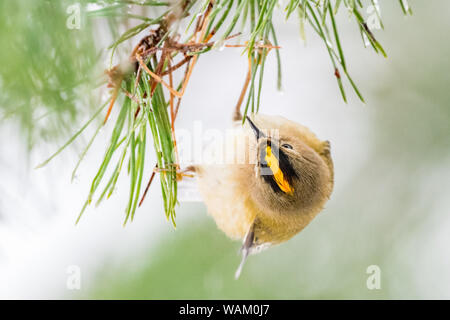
(279, 179)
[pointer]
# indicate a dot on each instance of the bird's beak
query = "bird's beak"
(258, 133)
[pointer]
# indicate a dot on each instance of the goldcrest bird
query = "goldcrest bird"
(279, 180)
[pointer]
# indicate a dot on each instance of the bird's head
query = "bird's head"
(293, 170)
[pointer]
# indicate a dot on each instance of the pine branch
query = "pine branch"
(149, 101)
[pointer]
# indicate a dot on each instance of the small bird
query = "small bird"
(279, 178)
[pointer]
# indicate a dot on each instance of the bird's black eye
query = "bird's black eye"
(287, 146)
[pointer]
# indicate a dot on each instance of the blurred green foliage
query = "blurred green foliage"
(44, 65)
(198, 262)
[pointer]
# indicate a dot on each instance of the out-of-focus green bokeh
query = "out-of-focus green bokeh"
(45, 66)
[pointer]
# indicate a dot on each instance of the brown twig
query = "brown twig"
(237, 111)
(156, 77)
(178, 65)
(111, 104)
(148, 186)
